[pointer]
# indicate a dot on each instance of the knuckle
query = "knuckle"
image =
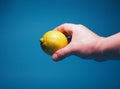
(80, 25)
(66, 23)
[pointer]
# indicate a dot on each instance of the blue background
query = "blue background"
(23, 64)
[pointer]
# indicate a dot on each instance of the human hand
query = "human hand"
(83, 42)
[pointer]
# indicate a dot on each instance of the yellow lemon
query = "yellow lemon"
(52, 41)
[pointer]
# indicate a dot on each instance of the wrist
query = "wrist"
(108, 48)
(100, 49)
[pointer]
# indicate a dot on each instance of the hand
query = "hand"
(82, 44)
(86, 44)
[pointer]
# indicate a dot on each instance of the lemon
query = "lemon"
(52, 41)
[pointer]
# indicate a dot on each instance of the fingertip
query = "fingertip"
(58, 55)
(54, 57)
(62, 53)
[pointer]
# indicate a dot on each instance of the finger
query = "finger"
(62, 53)
(66, 28)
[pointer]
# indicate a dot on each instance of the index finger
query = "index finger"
(66, 28)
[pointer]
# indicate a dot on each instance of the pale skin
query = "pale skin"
(88, 45)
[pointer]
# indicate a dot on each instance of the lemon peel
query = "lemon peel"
(52, 41)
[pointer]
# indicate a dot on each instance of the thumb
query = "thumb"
(62, 53)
